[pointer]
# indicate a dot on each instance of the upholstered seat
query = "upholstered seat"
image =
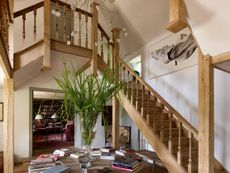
(69, 131)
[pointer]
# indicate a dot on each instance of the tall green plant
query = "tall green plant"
(88, 95)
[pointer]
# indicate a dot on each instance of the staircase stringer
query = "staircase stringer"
(163, 153)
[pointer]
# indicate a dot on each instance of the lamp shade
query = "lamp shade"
(38, 117)
(54, 116)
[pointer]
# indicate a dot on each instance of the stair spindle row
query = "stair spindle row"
(32, 10)
(171, 130)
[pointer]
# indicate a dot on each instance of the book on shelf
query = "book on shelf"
(57, 169)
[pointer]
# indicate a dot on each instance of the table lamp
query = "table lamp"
(38, 117)
(54, 116)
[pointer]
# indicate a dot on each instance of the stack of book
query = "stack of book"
(128, 154)
(62, 152)
(106, 154)
(126, 164)
(57, 169)
(40, 165)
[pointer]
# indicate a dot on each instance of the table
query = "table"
(98, 165)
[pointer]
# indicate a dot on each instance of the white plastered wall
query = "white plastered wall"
(22, 118)
(1, 123)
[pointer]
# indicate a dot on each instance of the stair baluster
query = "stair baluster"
(148, 105)
(124, 79)
(133, 92)
(72, 21)
(35, 17)
(108, 55)
(56, 20)
(79, 28)
(24, 26)
(190, 170)
(64, 24)
(138, 96)
(7, 29)
(86, 30)
(179, 159)
(102, 50)
(170, 144)
(142, 101)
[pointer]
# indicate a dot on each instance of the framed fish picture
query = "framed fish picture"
(173, 53)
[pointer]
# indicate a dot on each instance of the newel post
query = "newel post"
(8, 125)
(206, 115)
(94, 37)
(47, 29)
(116, 105)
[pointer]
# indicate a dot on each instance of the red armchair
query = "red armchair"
(69, 131)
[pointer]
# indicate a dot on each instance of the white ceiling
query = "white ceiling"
(144, 20)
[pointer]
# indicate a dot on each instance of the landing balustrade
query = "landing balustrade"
(72, 27)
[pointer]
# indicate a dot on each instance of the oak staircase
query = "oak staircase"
(171, 136)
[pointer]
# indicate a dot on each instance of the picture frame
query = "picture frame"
(124, 136)
(172, 53)
(108, 136)
(1, 112)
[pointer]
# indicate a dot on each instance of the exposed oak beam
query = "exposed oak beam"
(177, 16)
(47, 35)
(221, 58)
(71, 49)
(116, 104)
(206, 115)
(94, 38)
(8, 126)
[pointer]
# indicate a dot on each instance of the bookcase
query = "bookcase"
(48, 108)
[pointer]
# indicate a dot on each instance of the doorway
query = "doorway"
(135, 64)
(50, 127)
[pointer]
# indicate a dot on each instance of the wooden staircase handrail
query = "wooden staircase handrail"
(28, 9)
(41, 4)
(176, 114)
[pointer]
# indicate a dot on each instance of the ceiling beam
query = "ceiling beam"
(71, 49)
(177, 16)
(221, 58)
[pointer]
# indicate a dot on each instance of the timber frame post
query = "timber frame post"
(94, 38)
(206, 114)
(47, 35)
(115, 101)
(177, 16)
(8, 125)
